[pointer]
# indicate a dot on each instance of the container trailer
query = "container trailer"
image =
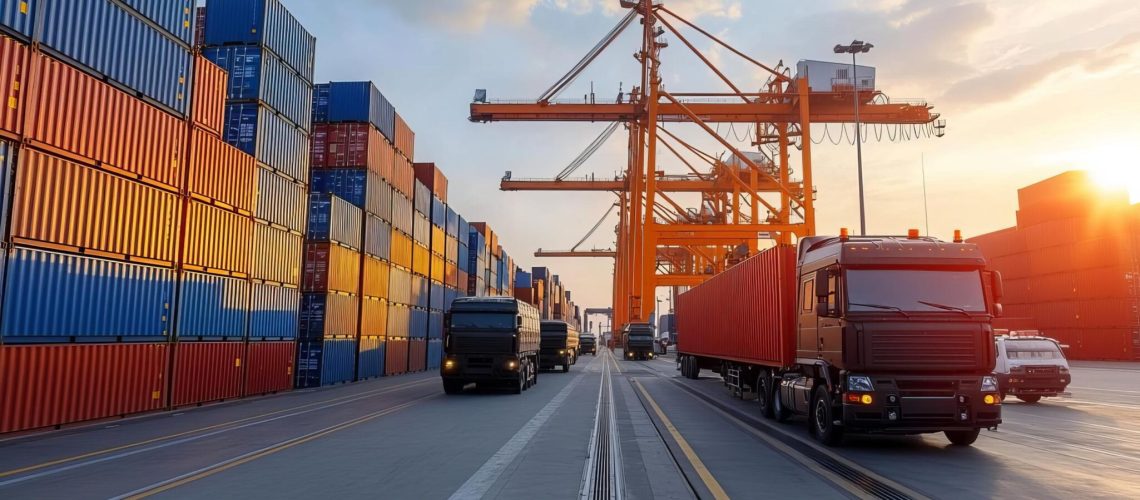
(869, 334)
(490, 341)
(559, 345)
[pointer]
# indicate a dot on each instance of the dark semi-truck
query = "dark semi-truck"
(588, 343)
(490, 341)
(860, 334)
(637, 341)
(559, 346)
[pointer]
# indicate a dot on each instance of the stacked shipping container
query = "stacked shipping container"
(1070, 267)
(431, 185)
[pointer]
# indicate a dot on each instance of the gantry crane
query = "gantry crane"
(659, 243)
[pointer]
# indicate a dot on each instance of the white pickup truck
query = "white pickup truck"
(1030, 366)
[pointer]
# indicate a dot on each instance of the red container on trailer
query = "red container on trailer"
(417, 355)
(269, 367)
(208, 106)
(220, 174)
(13, 76)
(396, 356)
(207, 371)
(217, 241)
(746, 313)
(78, 116)
(47, 385)
(406, 140)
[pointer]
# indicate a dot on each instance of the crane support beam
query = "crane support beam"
(609, 254)
(825, 108)
(663, 185)
(680, 279)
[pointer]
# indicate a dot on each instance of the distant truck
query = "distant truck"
(559, 345)
(637, 341)
(1030, 367)
(490, 341)
(869, 334)
(588, 344)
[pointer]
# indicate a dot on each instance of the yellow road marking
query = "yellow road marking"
(200, 429)
(702, 471)
(275, 449)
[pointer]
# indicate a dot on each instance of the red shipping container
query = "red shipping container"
(1107, 283)
(207, 371)
(220, 173)
(1014, 266)
(269, 367)
(1007, 241)
(1057, 315)
(396, 356)
(208, 105)
(330, 267)
(1056, 287)
(746, 313)
(406, 140)
(417, 355)
(1012, 323)
(431, 176)
(1109, 313)
(48, 385)
(13, 75)
(217, 241)
(79, 116)
(73, 207)
(340, 145)
(375, 279)
(1106, 344)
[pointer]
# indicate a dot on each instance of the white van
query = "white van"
(1030, 366)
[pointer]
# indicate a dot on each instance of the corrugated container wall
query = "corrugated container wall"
(360, 187)
(262, 22)
(277, 255)
(14, 66)
(351, 145)
(256, 75)
(431, 177)
(333, 219)
(220, 173)
(405, 139)
(269, 367)
(329, 315)
(354, 102)
(217, 241)
(207, 371)
(273, 140)
(208, 107)
(370, 360)
(174, 16)
(325, 362)
(377, 237)
(330, 268)
(280, 201)
(274, 312)
(212, 307)
(18, 17)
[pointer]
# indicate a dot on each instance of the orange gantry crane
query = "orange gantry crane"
(744, 199)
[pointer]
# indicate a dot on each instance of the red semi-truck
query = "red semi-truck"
(861, 334)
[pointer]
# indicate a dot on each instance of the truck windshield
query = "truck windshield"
(482, 321)
(1032, 349)
(914, 290)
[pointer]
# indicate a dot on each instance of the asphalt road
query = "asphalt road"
(633, 427)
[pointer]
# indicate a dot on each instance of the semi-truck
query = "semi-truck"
(559, 345)
(490, 341)
(637, 341)
(588, 344)
(875, 334)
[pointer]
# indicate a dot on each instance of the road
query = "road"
(634, 428)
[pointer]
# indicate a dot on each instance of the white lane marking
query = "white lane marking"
(592, 460)
(1104, 390)
(484, 478)
(616, 463)
(1076, 422)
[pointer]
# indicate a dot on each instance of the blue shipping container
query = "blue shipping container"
(212, 307)
(523, 279)
(438, 213)
(420, 291)
(274, 312)
(359, 186)
(435, 325)
(354, 102)
(262, 22)
(370, 362)
(329, 315)
(333, 219)
(377, 237)
(418, 327)
(452, 228)
(175, 16)
(437, 301)
(51, 296)
(461, 258)
(449, 296)
(120, 45)
(280, 201)
(18, 16)
(325, 362)
(257, 75)
(271, 139)
(434, 354)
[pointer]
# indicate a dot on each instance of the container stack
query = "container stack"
(431, 191)
(481, 239)
(1070, 267)
(462, 254)
(269, 56)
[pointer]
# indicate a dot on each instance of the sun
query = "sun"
(1118, 176)
(1112, 166)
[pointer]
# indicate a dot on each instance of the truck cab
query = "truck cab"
(588, 344)
(559, 346)
(637, 341)
(490, 341)
(893, 336)
(1030, 366)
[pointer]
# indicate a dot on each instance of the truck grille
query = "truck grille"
(555, 344)
(929, 350)
(473, 344)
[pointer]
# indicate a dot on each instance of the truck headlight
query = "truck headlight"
(861, 383)
(512, 364)
(989, 384)
(563, 351)
(449, 364)
(1064, 370)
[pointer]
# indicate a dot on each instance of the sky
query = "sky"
(1029, 88)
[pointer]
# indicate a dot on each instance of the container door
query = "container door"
(831, 326)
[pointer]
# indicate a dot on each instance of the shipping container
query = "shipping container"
(434, 354)
(273, 140)
(377, 237)
(432, 178)
(262, 22)
(396, 356)
(354, 102)
(208, 97)
(401, 249)
(50, 385)
(199, 26)
(435, 324)
(52, 296)
(269, 367)
(405, 139)
(220, 174)
(438, 213)
(450, 275)
(280, 201)
(329, 315)
(403, 176)
(421, 230)
(370, 360)
(375, 278)
(438, 241)
(18, 17)
(14, 70)
(399, 286)
(437, 273)
(417, 355)
(207, 371)
(212, 307)
(66, 205)
(421, 199)
(260, 76)
(217, 241)
(85, 118)
(277, 255)
(119, 45)
(323, 362)
(329, 267)
(402, 213)
(746, 313)
(418, 323)
(399, 320)
(421, 260)
(358, 186)
(172, 16)
(274, 312)
(334, 219)
(452, 226)
(357, 145)
(373, 317)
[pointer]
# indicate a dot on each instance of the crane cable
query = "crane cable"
(589, 151)
(595, 228)
(574, 72)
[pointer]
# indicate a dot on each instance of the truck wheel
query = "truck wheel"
(1030, 398)
(779, 412)
(694, 368)
(963, 438)
(452, 386)
(764, 395)
(822, 419)
(519, 385)
(566, 366)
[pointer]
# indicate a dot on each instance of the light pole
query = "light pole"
(856, 47)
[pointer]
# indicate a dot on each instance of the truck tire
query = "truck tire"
(452, 386)
(779, 412)
(822, 419)
(764, 395)
(519, 385)
(963, 438)
(694, 368)
(566, 366)
(1030, 398)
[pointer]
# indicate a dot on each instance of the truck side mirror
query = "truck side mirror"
(999, 311)
(997, 287)
(822, 284)
(518, 321)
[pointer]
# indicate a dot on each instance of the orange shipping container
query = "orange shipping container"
(401, 249)
(217, 241)
(208, 105)
(405, 138)
(220, 173)
(62, 203)
(438, 241)
(13, 75)
(421, 260)
(373, 317)
(403, 176)
(331, 268)
(437, 273)
(80, 116)
(277, 255)
(431, 176)
(375, 277)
